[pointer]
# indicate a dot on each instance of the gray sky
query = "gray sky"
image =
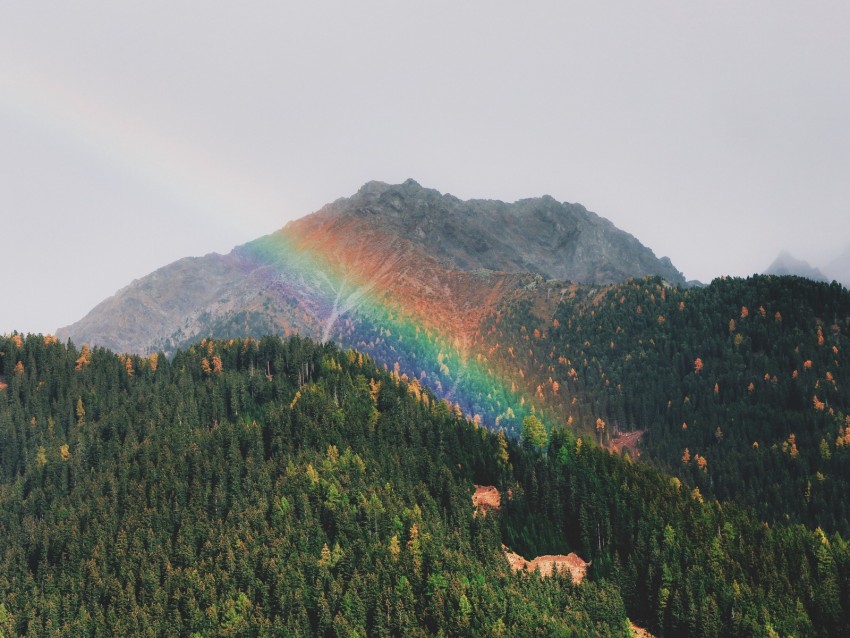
(131, 136)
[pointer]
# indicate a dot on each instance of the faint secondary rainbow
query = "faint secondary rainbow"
(127, 143)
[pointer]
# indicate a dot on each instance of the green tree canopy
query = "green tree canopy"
(533, 431)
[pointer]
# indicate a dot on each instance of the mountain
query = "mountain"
(787, 264)
(396, 246)
(615, 361)
(735, 392)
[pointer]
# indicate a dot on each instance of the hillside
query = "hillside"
(740, 387)
(284, 487)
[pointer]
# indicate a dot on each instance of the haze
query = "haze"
(132, 136)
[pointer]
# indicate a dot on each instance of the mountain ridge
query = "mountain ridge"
(466, 233)
(400, 246)
(835, 269)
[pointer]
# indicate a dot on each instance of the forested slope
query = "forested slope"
(269, 487)
(741, 387)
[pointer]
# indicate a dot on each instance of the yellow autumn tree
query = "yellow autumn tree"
(394, 547)
(85, 357)
(414, 547)
(792, 446)
(325, 556)
(80, 411)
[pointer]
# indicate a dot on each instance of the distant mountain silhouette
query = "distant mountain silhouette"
(839, 267)
(787, 264)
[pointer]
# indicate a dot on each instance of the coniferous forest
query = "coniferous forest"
(286, 488)
(740, 388)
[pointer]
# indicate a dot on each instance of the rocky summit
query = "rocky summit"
(538, 235)
(397, 246)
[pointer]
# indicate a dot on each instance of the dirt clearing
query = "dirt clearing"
(486, 497)
(627, 441)
(549, 564)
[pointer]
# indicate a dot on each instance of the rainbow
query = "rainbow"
(352, 310)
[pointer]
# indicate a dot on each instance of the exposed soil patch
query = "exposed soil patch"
(549, 564)
(486, 497)
(627, 440)
(639, 632)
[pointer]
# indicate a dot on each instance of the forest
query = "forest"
(268, 487)
(740, 388)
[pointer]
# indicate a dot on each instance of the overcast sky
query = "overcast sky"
(131, 136)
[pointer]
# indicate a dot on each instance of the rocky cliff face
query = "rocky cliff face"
(388, 251)
(541, 235)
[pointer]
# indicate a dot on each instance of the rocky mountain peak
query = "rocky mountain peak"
(399, 245)
(558, 240)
